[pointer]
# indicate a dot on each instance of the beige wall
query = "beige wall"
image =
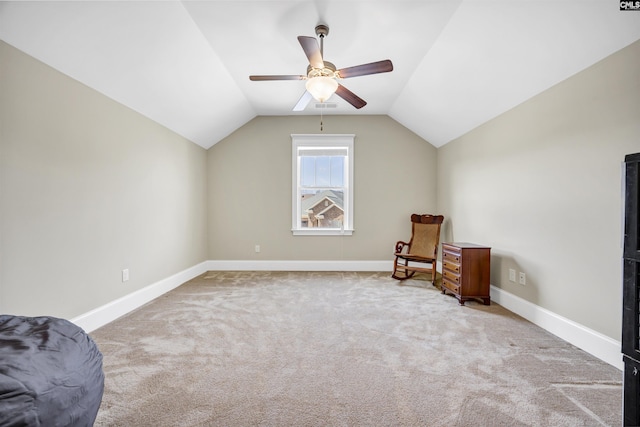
(541, 184)
(250, 189)
(87, 189)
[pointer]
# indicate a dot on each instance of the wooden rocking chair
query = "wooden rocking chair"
(422, 249)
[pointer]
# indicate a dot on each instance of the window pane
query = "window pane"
(322, 209)
(323, 171)
(337, 171)
(307, 171)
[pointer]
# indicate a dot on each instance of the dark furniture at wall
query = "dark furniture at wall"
(466, 269)
(419, 254)
(631, 293)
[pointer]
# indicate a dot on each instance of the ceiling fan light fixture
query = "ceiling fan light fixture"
(321, 87)
(322, 76)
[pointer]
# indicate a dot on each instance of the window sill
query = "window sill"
(321, 232)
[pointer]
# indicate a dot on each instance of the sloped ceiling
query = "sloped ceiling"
(185, 64)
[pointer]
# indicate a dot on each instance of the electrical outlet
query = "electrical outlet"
(512, 275)
(523, 279)
(125, 274)
(257, 248)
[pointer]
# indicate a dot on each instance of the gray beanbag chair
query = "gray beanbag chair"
(50, 373)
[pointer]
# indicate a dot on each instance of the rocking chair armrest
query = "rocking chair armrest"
(400, 245)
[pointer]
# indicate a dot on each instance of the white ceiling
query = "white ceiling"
(186, 64)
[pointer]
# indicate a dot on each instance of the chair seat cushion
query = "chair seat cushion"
(50, 373)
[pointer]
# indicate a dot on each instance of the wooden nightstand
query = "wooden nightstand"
(466, 269)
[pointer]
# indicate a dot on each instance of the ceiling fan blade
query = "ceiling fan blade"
(303, 102)
(312, 50)
(350, 97)
(365, 69)
(276, 77)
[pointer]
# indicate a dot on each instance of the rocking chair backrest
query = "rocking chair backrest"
(425, 235)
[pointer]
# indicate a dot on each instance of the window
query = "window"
(322, 184)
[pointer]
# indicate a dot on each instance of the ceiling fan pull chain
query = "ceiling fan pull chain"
(321, 120)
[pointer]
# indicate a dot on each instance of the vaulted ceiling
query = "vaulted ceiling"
(186, 64)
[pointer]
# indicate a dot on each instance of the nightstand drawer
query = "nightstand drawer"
(446, 265)
(451, 276)
(451, 257)
(451, 286)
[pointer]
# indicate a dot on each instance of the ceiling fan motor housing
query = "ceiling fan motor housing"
(329, 70)
(322, 30)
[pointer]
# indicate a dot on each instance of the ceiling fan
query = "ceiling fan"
(322, 77)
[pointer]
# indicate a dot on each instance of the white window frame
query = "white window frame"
(323, 141)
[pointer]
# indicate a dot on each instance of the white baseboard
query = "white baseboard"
(594, 343)
(111, 311)
(261, 265)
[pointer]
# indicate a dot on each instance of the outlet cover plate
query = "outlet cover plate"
(523, 279)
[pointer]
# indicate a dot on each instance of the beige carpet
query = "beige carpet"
(342, 349)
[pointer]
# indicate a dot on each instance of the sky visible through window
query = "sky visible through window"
(322, 171)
